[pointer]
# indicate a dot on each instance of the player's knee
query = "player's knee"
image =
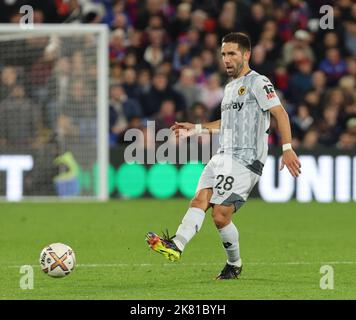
(221, 217)
(201, 199)
(220, 221)
(199, 202)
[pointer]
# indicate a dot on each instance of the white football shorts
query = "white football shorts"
(231, 181)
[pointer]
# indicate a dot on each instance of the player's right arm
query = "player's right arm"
(187, 126)
(269, 101)
(289, 157)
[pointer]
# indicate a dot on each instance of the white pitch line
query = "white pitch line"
(118, 265)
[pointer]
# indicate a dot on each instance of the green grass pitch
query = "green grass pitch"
(283, 247)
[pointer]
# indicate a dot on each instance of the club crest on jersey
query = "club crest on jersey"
(242, 91)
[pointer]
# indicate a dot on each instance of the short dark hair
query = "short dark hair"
(242, 39)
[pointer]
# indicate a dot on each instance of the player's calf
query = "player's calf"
(229, 235)
(222, 215)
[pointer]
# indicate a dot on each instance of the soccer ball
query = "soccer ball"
(57, 260)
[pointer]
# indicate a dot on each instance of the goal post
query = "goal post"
(54, 112)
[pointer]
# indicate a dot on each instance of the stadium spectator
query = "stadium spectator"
(330, 40)
(155, 22)
(76, 118)
(269, 7)
(301, 81)
(351, 127)
(350, 34)
(348, 84)
(281, 78)
(144, 81)
(256, 19)
(336, 97)
(197, 66)
(166, 68)
(210, 64)
(302, 122)
(9, 79)
(186, 86)
(241, 11)
(295, 16)
(346, 142)
(135, 44)
(115, 72)
(60, 80)
(166, 116)
(130, 85)
(23, 122)
(314, 100)
(121, 21)
(351, 65)
(154, 53)
(181, 23)
(347, 139)
(270, 41)
(333, 66)
(117, 46)
(182, 56)
(298, 48)
(193, 37)
(145, 11)
(311, 138)
(211, 41)
(198, 113)
(212, 92)
(328, 126)
(319, 81)
(130, 60)
(260, 64)
(123, 112)
(160, 91)
(198, 21)
(226, 23)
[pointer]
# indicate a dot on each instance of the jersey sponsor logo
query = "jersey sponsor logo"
(242, 90)
(232, 105)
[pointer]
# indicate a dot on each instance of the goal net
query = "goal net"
(53, 112)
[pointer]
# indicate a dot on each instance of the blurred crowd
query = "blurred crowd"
(165, 63)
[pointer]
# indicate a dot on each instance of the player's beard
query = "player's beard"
(236, 72)
(239, 68)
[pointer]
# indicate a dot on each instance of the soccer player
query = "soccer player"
(228, 178)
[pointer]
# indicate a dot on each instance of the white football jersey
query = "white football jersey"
(245, 119)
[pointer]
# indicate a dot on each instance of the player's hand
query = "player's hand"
(179, 127)
(291, 161)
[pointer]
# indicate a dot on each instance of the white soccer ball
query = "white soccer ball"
(57, 260)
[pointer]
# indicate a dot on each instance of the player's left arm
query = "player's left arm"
(289, 157)
(269, 101)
